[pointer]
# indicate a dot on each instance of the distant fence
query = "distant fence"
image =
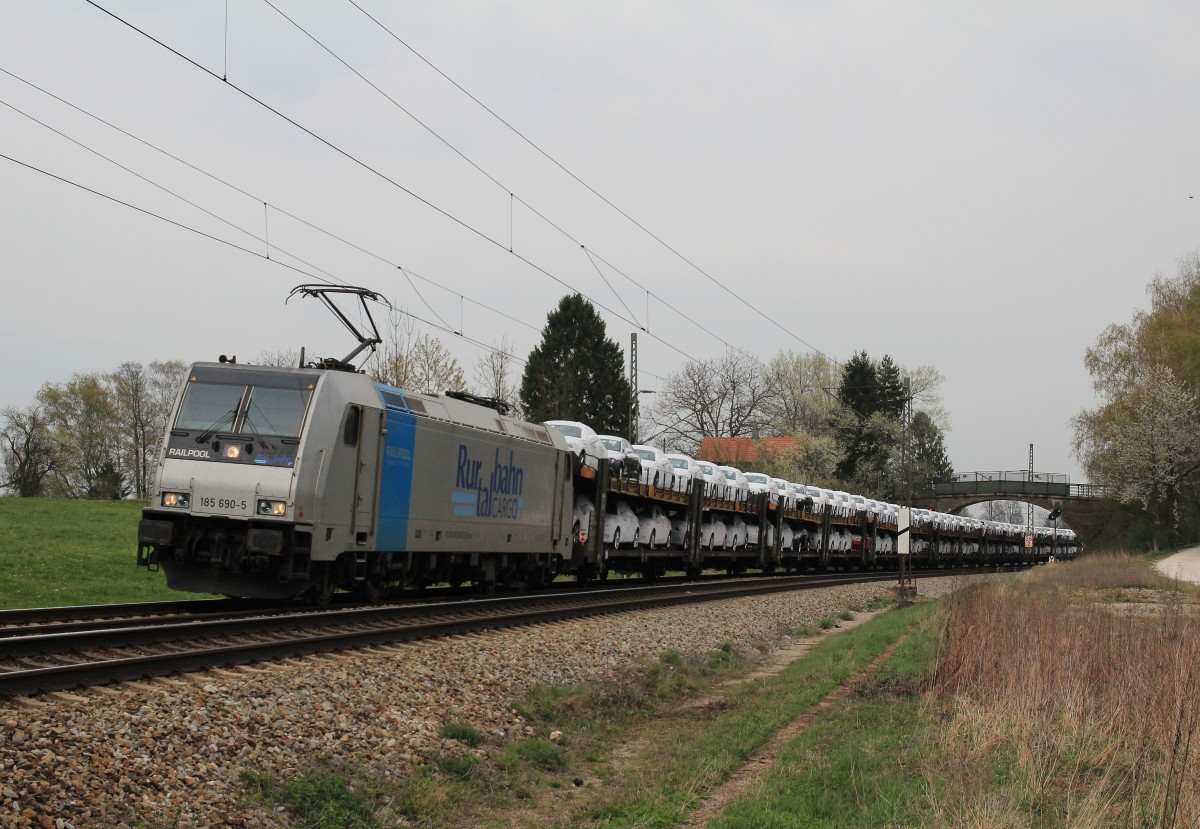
(1013, 475)
(1016, 483)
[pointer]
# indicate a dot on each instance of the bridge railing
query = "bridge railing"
(1091, 491)
(1021, 475)
(1013, 485)
(1002, 489)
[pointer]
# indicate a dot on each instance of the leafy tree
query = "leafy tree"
(1147, 375)
(83, 421)
(28, 451)
(818, 460)
(576, 372)
(1145, 444)
(799, 403)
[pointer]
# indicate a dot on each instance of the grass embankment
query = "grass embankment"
(1068, 697)
(634, 753)
(1061, 697)
(56, 553)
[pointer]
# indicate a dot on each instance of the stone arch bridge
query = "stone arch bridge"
(1086, 508)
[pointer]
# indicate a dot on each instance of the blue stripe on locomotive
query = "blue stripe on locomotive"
(395, 481)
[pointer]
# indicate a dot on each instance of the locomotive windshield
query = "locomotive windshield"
(238, 402)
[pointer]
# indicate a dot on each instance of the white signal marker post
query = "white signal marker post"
(903, 548)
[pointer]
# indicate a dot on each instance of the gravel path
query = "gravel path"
(1184, 565)
(169, 752)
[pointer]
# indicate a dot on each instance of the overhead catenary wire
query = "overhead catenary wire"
(409, 274)
(384, 177)
(591, 189)
(513, 197)
(328, 278)
(277, 262)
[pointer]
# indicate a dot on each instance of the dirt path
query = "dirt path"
(1184, 565)
(549, 806)
(716, 800)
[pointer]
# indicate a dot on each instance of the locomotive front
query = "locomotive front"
(222, 517)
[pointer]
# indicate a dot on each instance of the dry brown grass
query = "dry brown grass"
(1061, 712)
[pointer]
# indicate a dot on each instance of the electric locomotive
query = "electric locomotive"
(277, 482)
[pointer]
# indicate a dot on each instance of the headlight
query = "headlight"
(179, 500)
(232, 452)
(266, 507)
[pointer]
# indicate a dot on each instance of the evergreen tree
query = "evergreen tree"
(859, 389)
(931, 464)
(859, 394)
(892, 393)
(576, 373)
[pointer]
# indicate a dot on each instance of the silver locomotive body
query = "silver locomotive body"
(275, 482)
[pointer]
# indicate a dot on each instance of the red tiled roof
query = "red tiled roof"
(735, 451)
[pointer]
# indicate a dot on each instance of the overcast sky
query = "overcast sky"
(980, 187)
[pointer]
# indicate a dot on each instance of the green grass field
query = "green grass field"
(55, 553)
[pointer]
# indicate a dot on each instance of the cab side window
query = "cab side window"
(353, 421)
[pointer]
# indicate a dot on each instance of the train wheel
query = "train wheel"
(635, 538)
(371, 589)
(651, 544)
(321, 593)
(616, 542)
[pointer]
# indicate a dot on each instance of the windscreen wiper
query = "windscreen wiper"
(204, 436)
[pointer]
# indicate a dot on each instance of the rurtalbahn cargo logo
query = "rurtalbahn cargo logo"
(493, 493)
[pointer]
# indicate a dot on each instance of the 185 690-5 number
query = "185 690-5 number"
(222, 503)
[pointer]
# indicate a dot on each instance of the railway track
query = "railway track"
(77, 618)
(60, 657)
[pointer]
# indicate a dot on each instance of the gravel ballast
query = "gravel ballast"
(169, 752)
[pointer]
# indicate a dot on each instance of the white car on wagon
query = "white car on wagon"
(656, 467)
(582, 441)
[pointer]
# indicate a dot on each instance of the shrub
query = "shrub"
(460, 766)
(464, 732)
(533, 751)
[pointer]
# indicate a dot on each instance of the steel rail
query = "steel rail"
(467, 617)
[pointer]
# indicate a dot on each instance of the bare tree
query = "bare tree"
(925, 383)
(724, 397)
(417, 363)
(1006, 512)
(285, 358)
(130, 385)
(142, 397)
(492, 375)
(28, 451)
